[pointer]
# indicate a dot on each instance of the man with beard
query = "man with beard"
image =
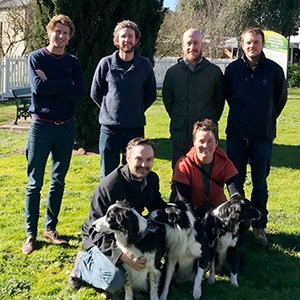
(123, 87)
(192, 91)
(100, 264)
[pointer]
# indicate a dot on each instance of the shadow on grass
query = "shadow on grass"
(283, 155)
(286, 156)
(267, 273)
(163, 148)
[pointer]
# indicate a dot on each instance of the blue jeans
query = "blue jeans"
(97, 270)
(258, 154)
(113, 141)
(45, 138)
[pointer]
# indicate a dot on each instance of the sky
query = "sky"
(170, 3)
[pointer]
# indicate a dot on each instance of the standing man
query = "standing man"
(192, 91)
(123, 87)
(100, 264)
(256, 92)
(56, 81)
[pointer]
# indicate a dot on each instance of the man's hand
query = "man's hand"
(41, 74)
(137, 263)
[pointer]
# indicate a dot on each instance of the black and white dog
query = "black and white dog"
(133, 238)
(195, 246)
(187, 252)
(224, 228)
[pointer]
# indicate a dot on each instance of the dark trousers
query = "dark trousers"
(258, 154)
(112, 142)
(45, 138)
(177, 151)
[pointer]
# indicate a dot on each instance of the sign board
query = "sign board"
(277, 48)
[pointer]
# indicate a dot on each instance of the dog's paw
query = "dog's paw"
(163, 296)
(197, 292)
(233, 280)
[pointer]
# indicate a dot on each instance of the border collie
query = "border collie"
(187, 253)
(133, 238)
(225, 227)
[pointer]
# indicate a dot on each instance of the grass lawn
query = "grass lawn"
(270, 274)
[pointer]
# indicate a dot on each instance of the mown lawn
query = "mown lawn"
(272, 273)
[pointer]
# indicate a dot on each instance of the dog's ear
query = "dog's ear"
(230, 213)
(124, 202)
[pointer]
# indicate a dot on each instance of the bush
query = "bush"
(293, 76)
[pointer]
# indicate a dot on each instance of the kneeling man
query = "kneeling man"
(100, 264)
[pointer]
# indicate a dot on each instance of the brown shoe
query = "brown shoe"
(29, 245)
(54, 237)
(260, 237)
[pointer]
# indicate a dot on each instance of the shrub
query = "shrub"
(293, 76)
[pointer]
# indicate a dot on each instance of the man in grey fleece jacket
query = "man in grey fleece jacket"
(123, 87)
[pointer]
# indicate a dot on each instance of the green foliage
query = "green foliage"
(281, 16)
(293, 76)
(267, 274)
(95, 21)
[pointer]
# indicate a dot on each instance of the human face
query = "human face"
(140, 161)
(126, 40)
(192, 46)
(59, 37)
(252, 45)
(205, 144)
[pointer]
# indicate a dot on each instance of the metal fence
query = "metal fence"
(13, 71)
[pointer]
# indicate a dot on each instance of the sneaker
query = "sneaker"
(54, 237)
(74, 282)
(29, 245)
(260, 237)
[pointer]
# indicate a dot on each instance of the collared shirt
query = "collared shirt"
(194, 65)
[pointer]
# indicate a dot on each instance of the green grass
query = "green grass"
(269, 274)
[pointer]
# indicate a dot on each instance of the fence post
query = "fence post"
(6, 71)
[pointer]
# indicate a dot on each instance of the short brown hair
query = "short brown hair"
(206, 125)
(253, 30)
(139, 141)
(126, 24)
(62, 19)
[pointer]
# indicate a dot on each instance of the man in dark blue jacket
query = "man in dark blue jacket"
(56, 81)
(123, 87)
(256, 92)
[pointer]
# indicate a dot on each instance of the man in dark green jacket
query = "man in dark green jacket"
(192, 91)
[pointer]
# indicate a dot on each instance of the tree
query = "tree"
(95, 21)
(16, 18)
(218, 19)
(281, 16)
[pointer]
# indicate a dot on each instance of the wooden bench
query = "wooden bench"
(22, 99)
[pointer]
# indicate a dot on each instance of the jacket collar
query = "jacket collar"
(202, 64)
(259, 62)
(135, 63)
(136, 184)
